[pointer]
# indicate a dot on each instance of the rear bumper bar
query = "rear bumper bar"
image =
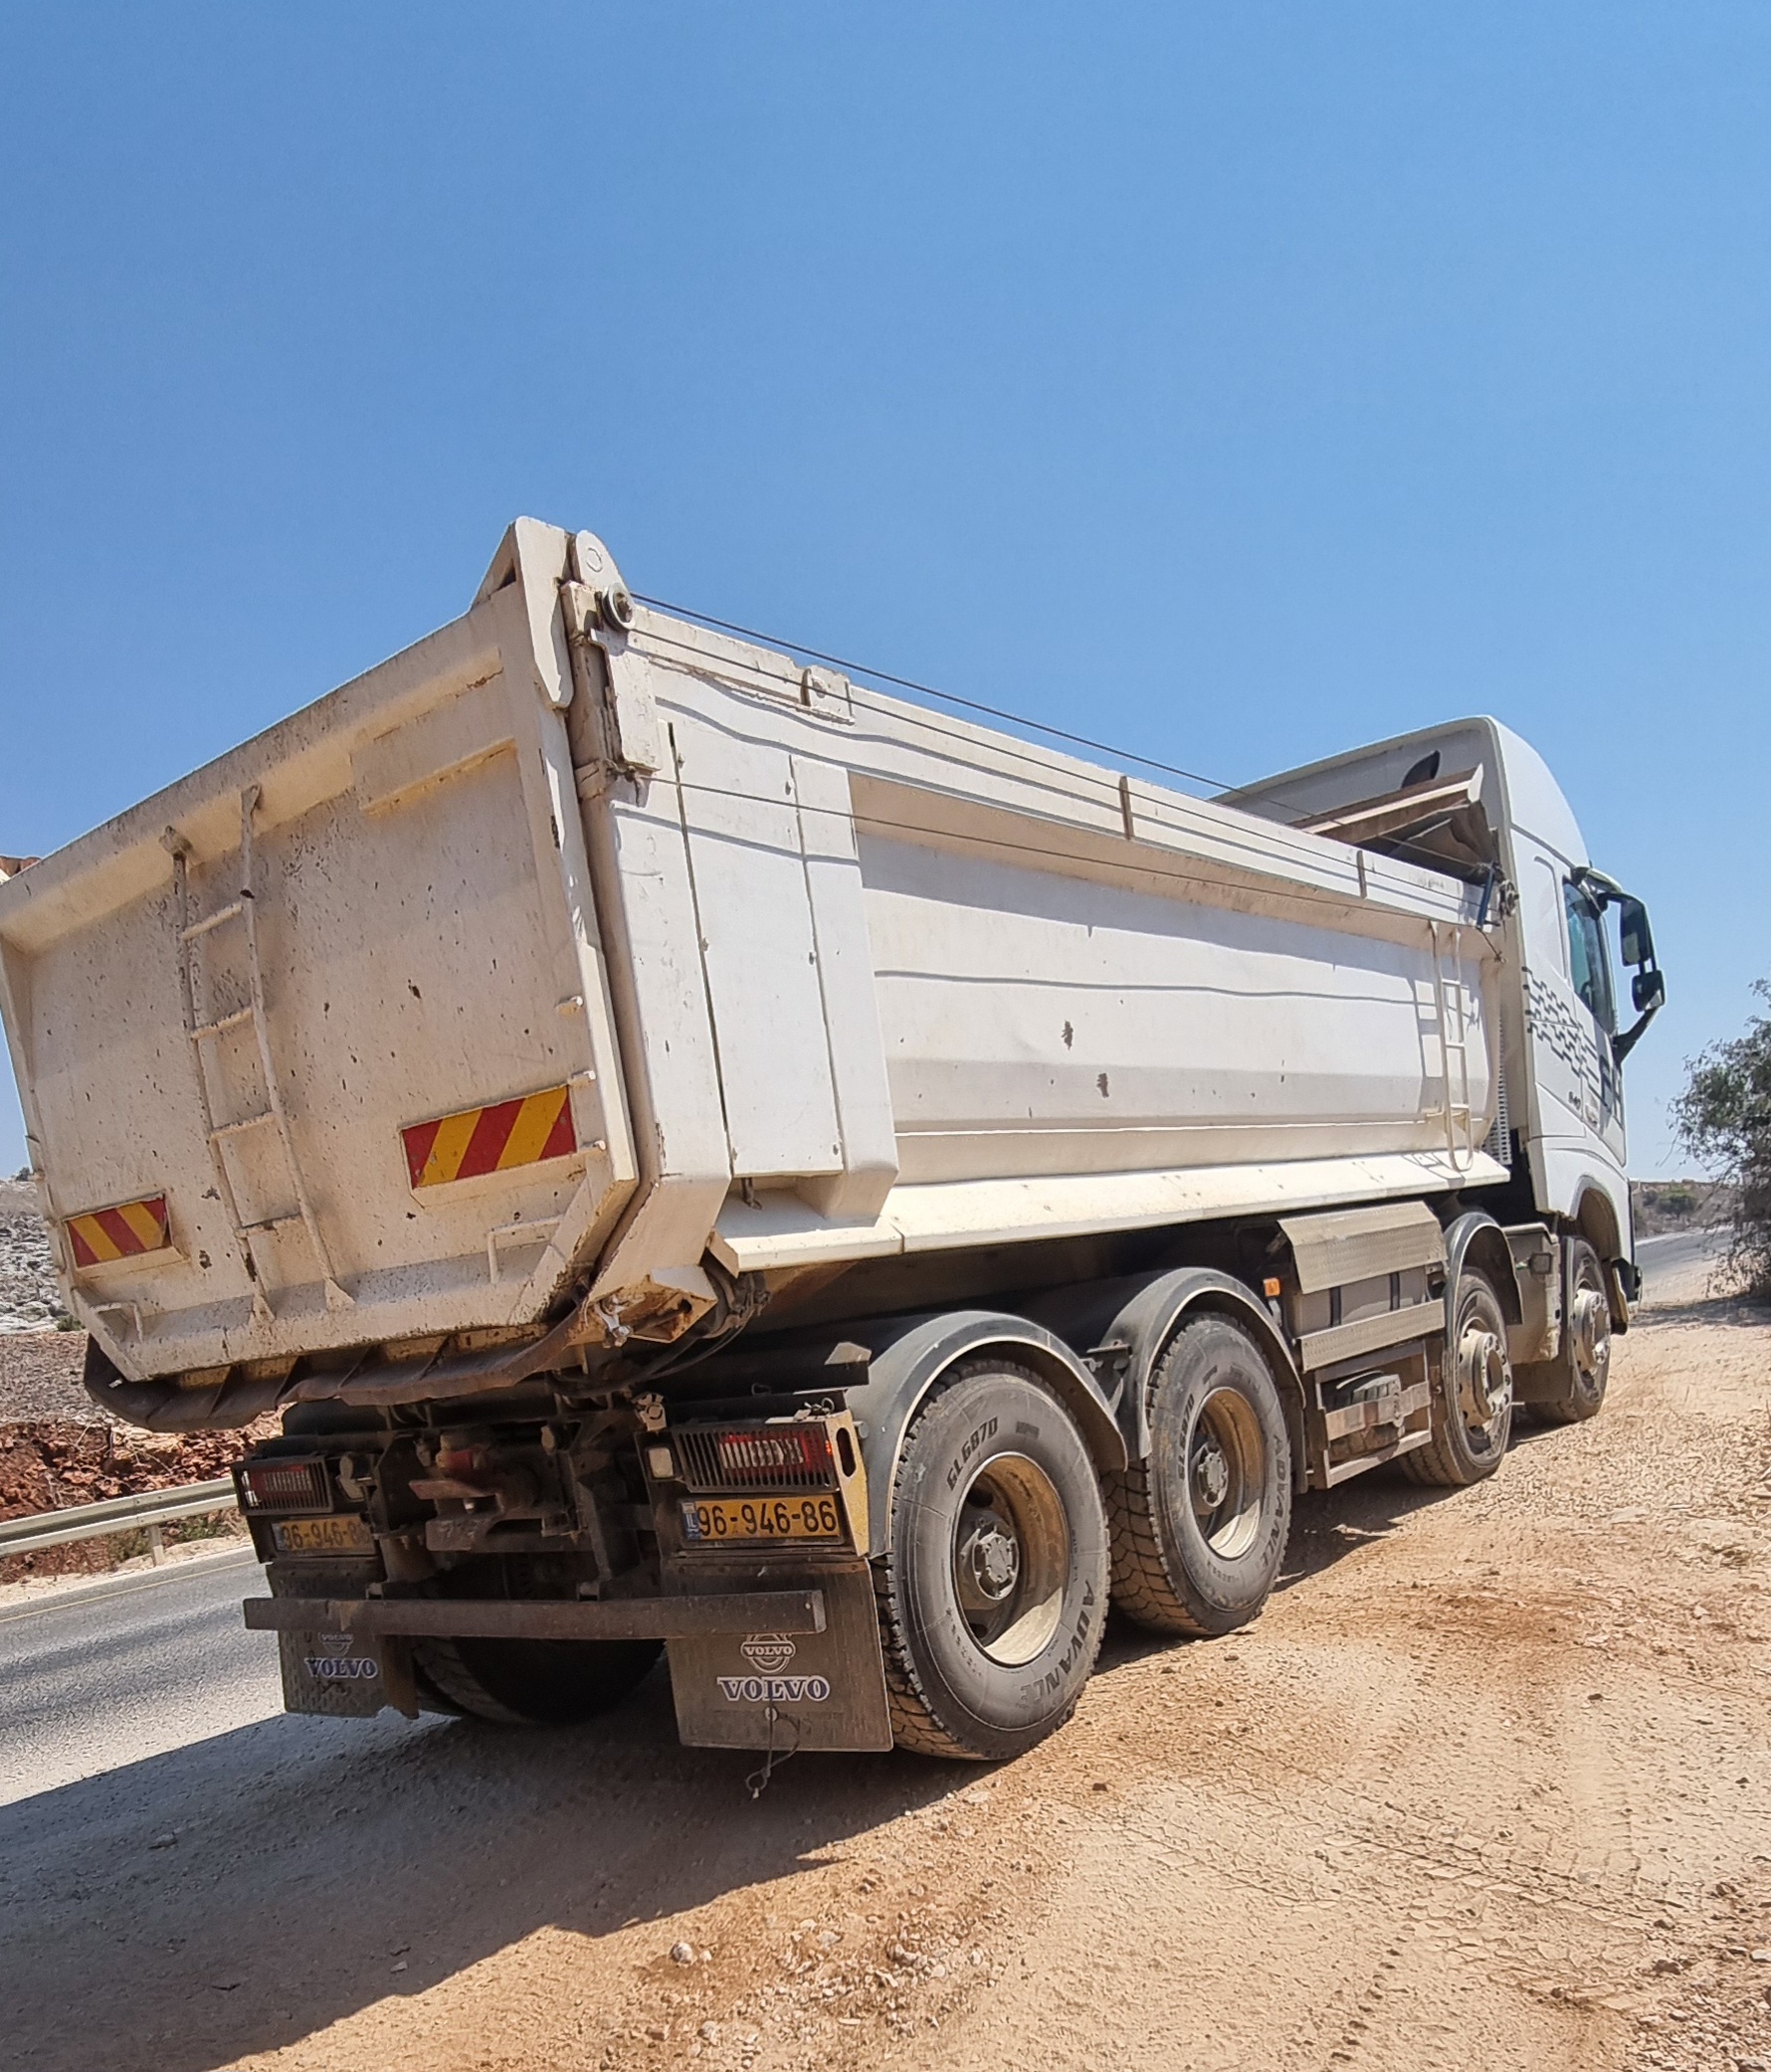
(501, 1619)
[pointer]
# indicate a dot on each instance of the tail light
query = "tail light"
(283, 1485)
(755, 1456)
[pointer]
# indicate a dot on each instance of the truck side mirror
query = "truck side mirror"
(1636, 943)
(1648, 989)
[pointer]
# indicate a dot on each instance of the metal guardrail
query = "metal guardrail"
(118, 1513)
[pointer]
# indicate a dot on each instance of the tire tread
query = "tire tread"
(439, 1664)
(1142, 1587)
(1143, 1582)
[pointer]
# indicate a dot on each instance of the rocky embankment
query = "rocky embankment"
(29, 1297)
(57, 1446)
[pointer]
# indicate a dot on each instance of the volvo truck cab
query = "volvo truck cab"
(1473, 798)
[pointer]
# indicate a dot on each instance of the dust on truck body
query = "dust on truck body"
(701, 1153)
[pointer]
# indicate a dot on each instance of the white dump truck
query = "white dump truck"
(700, 1153)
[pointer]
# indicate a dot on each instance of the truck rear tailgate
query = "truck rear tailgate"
(315, 1045)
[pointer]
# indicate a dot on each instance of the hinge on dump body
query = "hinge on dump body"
(827, 692)
(614, 682)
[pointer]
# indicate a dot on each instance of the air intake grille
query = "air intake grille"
(1499, 1144)
(757, 1457)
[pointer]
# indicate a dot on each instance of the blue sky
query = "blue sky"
(1235, 382)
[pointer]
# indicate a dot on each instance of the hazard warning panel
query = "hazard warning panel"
(104, 1235)
(521, 1132)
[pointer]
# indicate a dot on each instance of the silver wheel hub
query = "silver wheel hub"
(1588, 1320)
(992, 1561)
(1211, 1477)
(1483, 1381)
(1011, 1559)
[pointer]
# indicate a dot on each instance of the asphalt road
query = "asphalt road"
(127, 1670)
(1660, 1259)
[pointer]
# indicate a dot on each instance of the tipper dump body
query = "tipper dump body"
(585, 994)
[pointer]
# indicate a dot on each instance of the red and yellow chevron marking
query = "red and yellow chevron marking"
(122, 1233)
(522, 1132)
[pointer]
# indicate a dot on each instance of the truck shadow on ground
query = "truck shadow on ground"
(1329, 1526)
(244, 1892)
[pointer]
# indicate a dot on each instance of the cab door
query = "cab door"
(1574, 1095)
(1590, 979)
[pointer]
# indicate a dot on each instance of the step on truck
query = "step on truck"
(700, 1155)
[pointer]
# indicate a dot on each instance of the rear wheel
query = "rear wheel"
(532, 1683)
(993, 1592)
(1200, 1527)
(1571, 1388)
(1473, 1394)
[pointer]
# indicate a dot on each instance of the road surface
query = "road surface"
(1672, 1257)
(1489, 1784)
(126, 1671)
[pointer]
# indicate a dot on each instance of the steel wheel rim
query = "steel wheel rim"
(1590, 1329)
(1484, 1377)
(1011, 1559)
(1226, 1473)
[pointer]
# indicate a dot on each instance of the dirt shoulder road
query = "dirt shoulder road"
(1490, 1785)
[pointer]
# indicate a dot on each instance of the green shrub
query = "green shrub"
(1723, 1117)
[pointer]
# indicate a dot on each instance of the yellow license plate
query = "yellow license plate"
(323, 1536)
(712, 1521)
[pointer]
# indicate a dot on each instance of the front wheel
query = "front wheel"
(993, 1591)
(1473, 1397)
(1571, 1388)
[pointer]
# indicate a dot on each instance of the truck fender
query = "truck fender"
(1477, 1240)
(911, 1357)
(1596, 1220)
(1125, 1327)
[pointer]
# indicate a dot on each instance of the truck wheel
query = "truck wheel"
(993, 1592)
(1200, 1527)
(1576, 1381)
(1473, 1392)
(532, 1683)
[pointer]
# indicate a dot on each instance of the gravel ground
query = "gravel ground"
(39, 1379)
(39, 1365)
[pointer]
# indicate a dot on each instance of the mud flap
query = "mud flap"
(785, 1692)
(346, 1675)
(343, 1676)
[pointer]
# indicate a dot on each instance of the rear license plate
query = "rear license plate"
(719, 1519)
(324, 1536)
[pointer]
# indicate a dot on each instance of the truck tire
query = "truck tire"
(1571, 1388)
(532, 1683)
(993, 1591)
(1472, 1400)
(1199, 1529)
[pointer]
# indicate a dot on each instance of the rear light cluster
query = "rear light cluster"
(285, 1486)
(755, 1456)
